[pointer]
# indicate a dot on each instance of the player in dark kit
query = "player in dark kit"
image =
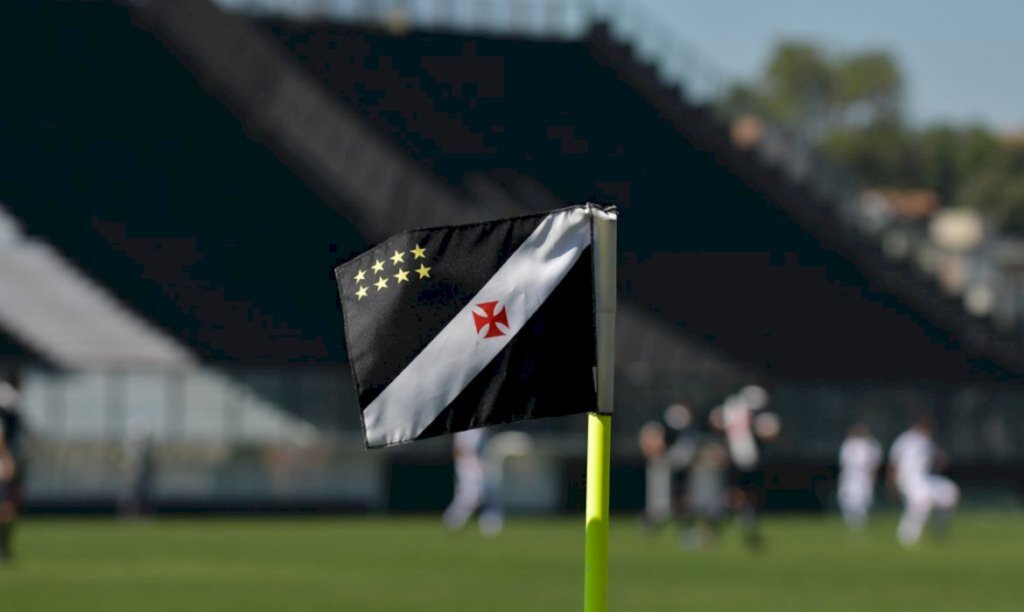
(745, 432)
(12, 474)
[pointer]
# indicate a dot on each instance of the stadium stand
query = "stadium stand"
(99, 268)
(503, 109)
(219, 219)
(161, 197)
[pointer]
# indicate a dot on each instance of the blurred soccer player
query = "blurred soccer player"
(705, 506)
(474, 490)
(498, 450)
(658, 474)
(13, 472)
(743, 431)
(912, 459)
(6, 474)
(669, 448)
(859, 458)
(470, 485)
(137, 470)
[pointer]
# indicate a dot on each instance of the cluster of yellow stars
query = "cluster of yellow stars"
(401, 275)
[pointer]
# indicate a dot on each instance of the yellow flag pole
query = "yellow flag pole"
(595, 581)
(599, 424)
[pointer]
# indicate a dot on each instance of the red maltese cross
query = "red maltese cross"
(491, 320)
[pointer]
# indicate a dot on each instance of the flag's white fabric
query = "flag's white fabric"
(458, 353)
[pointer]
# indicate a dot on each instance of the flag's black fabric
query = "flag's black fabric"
(459, 327)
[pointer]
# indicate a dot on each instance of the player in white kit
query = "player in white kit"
(912, 459)
(470, 478)
(859, 458)
(479, 461)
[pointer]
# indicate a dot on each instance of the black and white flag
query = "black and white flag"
(458, 327)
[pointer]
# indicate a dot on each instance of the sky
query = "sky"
(963, 61)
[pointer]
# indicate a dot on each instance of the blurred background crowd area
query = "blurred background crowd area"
(180, 177)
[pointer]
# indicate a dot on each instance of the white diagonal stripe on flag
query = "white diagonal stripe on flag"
(458, 353)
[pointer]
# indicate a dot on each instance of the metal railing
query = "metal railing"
(194, 403)
(299, 407)
(557, 18)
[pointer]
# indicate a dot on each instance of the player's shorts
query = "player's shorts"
(937, 491)
(13, 489)
(679, 480)
(856, 492)
(747, 480)
(16, 493)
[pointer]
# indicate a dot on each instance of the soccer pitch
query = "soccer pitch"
(298, 564)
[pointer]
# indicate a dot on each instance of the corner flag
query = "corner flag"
(453, 328)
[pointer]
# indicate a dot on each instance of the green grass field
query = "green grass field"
(412, 564)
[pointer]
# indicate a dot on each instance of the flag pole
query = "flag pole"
(599, 423)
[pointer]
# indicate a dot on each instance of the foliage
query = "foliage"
(998, 189)
(851, 106)
(805, 88)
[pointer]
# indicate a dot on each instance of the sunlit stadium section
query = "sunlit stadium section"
(49, 305)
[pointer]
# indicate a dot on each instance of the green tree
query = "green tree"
(809, 90)
(940, 158)
(997, 189)
(880, 154)
(851, 107)
(946, 156)
(799, 84)
(868, 89)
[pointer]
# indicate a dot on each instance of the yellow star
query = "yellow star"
(397, 258)
(402, 276)
(382, 283)
(423, 271)
(361, 293)
(417, 252)
(360, 276)
(378, 266)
